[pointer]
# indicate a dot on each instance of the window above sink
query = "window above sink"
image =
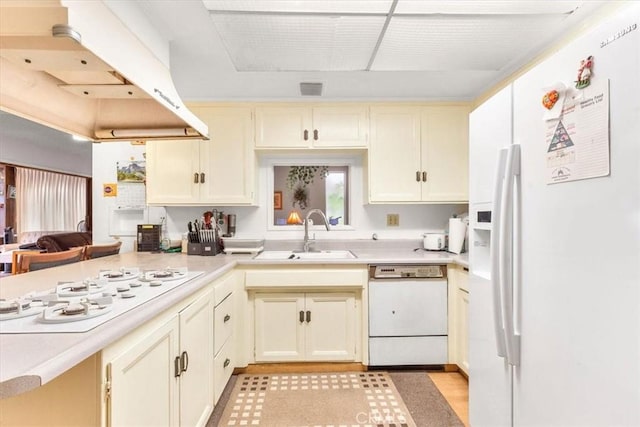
(298, 185)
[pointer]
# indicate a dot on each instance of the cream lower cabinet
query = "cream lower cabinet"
(418, 154)
(163, 373)
(458, 317)
(224, 325)
(218, 171)
(310, 313)
(304, 126)
(305, 327)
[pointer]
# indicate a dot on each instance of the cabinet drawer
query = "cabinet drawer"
(309, 277)
(224, 288)
(223, 368)
(223, 323)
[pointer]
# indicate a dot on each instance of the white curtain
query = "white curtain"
(49, 201)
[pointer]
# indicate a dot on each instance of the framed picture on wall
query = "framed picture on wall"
(277, 200)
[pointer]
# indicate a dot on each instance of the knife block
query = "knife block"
(206, 249)
(194, 249)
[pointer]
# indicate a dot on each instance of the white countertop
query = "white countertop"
(30, 360)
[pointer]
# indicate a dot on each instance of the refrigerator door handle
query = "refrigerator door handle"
(495, 253)
(506, 254)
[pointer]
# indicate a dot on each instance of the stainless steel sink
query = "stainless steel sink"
(294, 255)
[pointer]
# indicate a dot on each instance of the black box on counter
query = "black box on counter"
(149, 237)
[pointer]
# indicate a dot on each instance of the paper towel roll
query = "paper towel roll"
(457, 231)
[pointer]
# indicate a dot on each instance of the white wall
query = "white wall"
(253, 221)
(106, 218)
(25, 143)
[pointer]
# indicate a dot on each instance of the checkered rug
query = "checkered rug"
(341, 399)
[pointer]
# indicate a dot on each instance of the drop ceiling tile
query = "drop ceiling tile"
(298, 43)
(499, 7)
(305, 6)
(448, 42)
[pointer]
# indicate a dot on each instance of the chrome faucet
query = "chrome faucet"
(307, 243)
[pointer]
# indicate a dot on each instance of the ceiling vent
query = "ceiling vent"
(310, 89)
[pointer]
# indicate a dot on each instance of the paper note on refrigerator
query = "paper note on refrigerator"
(578, 142)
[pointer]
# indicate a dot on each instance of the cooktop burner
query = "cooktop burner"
(27, 305)
(164, 275)
(124, 273)
(86, 308)
(78, 289)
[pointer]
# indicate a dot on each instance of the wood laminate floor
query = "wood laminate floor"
(455, 389)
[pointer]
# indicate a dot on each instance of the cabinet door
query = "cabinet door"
(463, 336)
(340, 127)
(462, 303)
(279, 331)
(283, 127)
(196, 350)
(144, 389)
(445, 154)
(228, 158)
(330, 326)
(171, 168)
(394, 154)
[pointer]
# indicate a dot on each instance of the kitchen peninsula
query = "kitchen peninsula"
(28, 361)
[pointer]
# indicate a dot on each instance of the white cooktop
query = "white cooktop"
(125, 295)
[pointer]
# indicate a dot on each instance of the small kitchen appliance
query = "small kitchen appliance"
(457, 233)
(149, 237)
(434, 241)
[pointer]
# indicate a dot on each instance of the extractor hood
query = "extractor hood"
(74, 66)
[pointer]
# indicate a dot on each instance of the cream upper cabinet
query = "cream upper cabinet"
(173, 172)
(305, 327)
(344, 126)
(394, 154)
(218, 171)
(418, 154)
(340, 126)
(445, 153)
(229, 156)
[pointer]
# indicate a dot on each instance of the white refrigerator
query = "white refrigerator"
(554, 302)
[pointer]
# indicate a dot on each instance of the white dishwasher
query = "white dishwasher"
(407, 315)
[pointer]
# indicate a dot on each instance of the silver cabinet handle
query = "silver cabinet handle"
(176, 367)
(301, 316)
(424, 176)
(202, 178)
(227, 318)
(308, 316)
(418, 176)
(184, 361)
(195, 178)
(226, 363)
(315, 134)
(306, 135)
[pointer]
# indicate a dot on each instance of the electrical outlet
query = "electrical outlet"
(393, 220)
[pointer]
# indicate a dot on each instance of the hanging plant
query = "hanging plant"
(299, 177)
(304, 175)
(300, 197)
